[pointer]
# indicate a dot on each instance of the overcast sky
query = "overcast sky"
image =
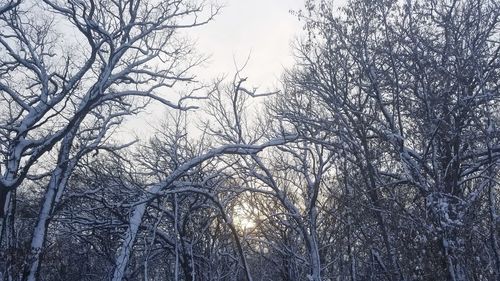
(262, 28)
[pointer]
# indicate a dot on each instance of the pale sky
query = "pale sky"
(263, 29)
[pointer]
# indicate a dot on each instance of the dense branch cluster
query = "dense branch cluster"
(378, 159)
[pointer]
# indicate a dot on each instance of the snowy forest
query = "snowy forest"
(376, 158)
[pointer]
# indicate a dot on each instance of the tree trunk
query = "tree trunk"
(125, 249)
(57, 184)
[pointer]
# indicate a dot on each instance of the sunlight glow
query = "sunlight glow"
(246, 223)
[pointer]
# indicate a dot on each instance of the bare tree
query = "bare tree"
(403, 89)
(232, 143)
(297, 188)
(51, 90)
(378, 159)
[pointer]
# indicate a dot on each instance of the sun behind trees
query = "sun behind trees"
(377, 160)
